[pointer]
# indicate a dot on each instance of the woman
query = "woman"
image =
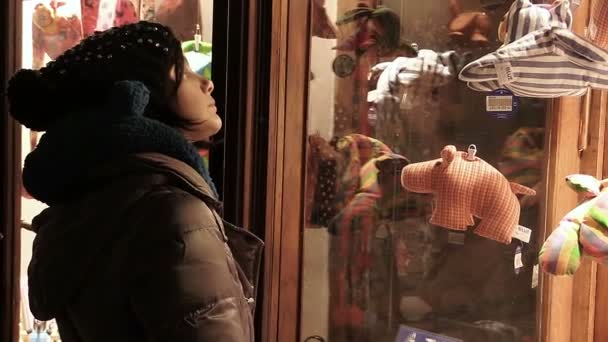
(131, 247)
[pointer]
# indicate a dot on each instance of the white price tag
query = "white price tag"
(522, 234)
(456, 238)
(504, 72)
(535, 276)
(517, 262)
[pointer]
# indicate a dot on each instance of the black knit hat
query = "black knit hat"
(83, 75)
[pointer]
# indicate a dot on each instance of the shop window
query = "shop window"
(374, 267)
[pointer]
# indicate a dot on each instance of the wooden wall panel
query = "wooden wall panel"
(592, 163)
(591, 137)
(562, 159)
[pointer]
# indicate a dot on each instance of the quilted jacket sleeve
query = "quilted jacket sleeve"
(185, 281)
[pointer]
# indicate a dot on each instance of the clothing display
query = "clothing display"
(465, 187)
(53, 31)
(100, 15)
(358, 265)
(322, 170)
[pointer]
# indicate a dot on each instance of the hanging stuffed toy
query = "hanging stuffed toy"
(541, 57)
(419, 76)
(100, 15)
(322, 26)
(52, 33)
(376, 27)
(522, 160)
(583, 231)
(322, 167)
(355, 227)
(471, 27)
(597, 31)
(465, 186)
(180, 15)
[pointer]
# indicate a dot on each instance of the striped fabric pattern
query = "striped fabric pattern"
(598, 25)
(582, 232)
(546, 63)
(429, 69)
(561, 254)
(524, 17)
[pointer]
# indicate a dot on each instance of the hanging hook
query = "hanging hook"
(472, 150)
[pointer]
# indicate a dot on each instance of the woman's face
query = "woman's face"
(195, 105)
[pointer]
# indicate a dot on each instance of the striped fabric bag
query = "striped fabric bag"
(598, 24)
(545, 63)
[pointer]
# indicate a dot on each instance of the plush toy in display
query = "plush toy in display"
(541, 57)
(100, 15)
(583, 231)
(473, 27)
(422, 74)
(597, 31)
(466, 186)
(180, 15)
(376, 27)
(53, 33)
(199, 56)
(322, 26)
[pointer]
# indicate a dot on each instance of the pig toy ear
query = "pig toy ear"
(448, 154)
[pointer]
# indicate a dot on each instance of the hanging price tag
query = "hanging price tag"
(535, 276)
(517, 262)
(522, 233)
(456, 238)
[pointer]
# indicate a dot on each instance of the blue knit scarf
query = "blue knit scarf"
(86, 139)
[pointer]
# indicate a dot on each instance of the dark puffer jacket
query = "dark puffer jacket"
(143, 258)
(131, 247)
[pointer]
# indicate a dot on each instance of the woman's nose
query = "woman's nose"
(207, 86)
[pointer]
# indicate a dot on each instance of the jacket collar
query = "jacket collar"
(181, 172)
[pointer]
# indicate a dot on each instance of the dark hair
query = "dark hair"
(82, 76)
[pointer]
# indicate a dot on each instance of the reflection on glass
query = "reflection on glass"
(374, 267)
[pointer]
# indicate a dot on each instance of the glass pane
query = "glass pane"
(374, 266)
(50, 27)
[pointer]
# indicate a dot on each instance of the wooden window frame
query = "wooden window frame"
(10, 188)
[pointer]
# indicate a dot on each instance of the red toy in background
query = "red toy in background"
(470, 26)
(180, 15)
(322, 26)
(376, 27)
(100, 15)
(53, 33)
